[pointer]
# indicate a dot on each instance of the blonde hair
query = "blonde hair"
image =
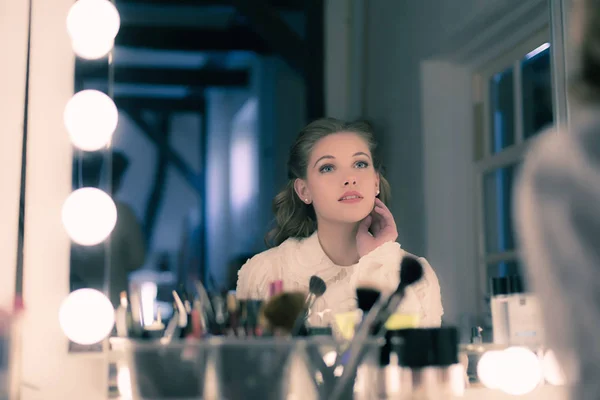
(293, 217)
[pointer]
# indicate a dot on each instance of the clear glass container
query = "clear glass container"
(231, 368)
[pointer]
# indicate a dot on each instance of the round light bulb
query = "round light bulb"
(93, 26)
(553, 373)
(521, 372)
(89, 215)
(92, 49)
(91, 118)
(86, 316)
(489, 368)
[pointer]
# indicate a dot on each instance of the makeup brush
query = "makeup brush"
(281, 311)
(316, 289)
(233, 314)
(172, 329)
(366, 296)
(182, 314)
(250, 314)
(218, 302)
(411, 271)
(207, 307)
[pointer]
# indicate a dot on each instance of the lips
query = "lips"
(350, 196)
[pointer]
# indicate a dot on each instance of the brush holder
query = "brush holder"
(233, 368)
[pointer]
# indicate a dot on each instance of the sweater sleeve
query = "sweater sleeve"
(429, 293)
(382, 267)
(254, 277)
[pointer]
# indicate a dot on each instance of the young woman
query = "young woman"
(332, 221)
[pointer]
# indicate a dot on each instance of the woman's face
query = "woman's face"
(341, 181)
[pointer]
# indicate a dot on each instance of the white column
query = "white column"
(344, 58)
(49, 372)
(447, 116)
(13, 47)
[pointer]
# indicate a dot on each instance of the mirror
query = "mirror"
(211, 95)
(208, 107)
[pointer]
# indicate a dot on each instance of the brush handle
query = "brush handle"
(181, 311)
(372, 323)
(300, 320)
(171, 328)
(310, 301)
(378, 329)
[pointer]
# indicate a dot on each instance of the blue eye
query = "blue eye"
(326, 168)
(362, 164)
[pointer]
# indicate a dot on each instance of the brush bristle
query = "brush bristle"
(411, 270)
(367, 297)
(282, 309)
(317, 286)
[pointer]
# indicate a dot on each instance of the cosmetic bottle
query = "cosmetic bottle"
(123, 320)
(275, 287)
(499, 308)
(524, 319)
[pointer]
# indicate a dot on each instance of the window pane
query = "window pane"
(502, 118)
(537, 91)
(497, 198)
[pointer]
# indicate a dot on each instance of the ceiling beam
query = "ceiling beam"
(193, 179)
(193, 104)
(191, 39)
(205, 77)
(278, 35)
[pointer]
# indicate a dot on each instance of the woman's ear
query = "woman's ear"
(377, 187)
(302, 191)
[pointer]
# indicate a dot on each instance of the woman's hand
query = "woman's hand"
(382, 226)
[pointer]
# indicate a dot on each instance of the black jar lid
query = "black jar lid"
(500, 286)
(516, 284)
(394, 343)
(430, 347)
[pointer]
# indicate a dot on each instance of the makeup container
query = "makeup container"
(523, 313)
(499, 308)
(275, 287)
(430, 368)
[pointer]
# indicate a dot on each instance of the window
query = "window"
(515, 104)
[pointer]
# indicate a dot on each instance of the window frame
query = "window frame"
(484, 160)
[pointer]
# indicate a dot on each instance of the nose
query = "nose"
(350, 181)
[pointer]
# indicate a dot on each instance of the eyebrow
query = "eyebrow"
(360, 153)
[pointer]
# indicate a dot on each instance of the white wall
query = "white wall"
(422, 110)
(49, 373)
(222, 105)
(13, 46)
(449, 188)
(244, 162)
(277, 95)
